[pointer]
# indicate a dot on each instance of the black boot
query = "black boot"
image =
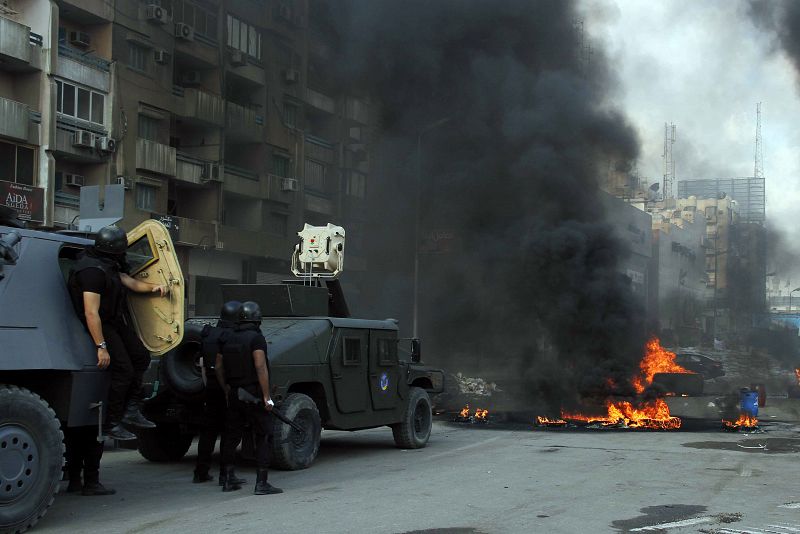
(201, 475)
(93, 487)
(133, 416)
(222, 477)
(230, 481)
(114, 430)
(75, 484)
(263, 487)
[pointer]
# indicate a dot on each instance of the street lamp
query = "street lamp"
(423, 131)
(790, 297)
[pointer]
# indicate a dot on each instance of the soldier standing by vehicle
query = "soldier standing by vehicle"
(98, 285)
(242, 363)
(215, 405)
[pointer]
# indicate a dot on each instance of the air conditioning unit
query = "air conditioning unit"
(106, 144)
(355, 133)
(291, 75)
(211, 172)
(289, 184)
(184, 31)
(125, 182)
(82, 138)
(75, 180)
(238, 58)
(285, 12)
(157, 14)
(81, 39)
(161, 56)
(190, 77)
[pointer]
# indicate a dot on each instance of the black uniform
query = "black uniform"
(240, 372)
(83, 455)
(95, 273)
(214, 403)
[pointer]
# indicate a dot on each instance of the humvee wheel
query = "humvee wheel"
(31, 456)
(290, 450)
(165, 443)
(415, 428)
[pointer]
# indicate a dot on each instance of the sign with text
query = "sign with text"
(171, 223)
(26, 200)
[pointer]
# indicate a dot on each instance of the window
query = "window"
(80, 103)
(280, 165)
(244, 37)
(277, 223)
(17, 163)
(140, 254)
(387, 351)
(204, 21)
(137, 57)
(290, 114)
(148, 128)
(352, 351)
(146, 197)
(356, 185)
(315, 175)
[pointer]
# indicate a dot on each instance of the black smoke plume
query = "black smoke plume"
(519, 271)
(782, 18)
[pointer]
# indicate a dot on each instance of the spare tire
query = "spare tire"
(181, 365)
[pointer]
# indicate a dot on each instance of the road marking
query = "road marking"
(787, 527)
(464, 448)
(790, 505)
(674, 524)
(782, 529)
(745, 472)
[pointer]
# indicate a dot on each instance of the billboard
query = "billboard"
(26, 200)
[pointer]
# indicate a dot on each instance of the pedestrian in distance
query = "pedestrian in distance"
(242, 364)
(98, 285)
(214, 402)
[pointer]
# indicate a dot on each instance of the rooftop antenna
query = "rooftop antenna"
(758, 167)
(669, 161)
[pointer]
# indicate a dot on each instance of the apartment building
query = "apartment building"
(216, 115)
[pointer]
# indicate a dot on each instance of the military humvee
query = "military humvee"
(327, 370)
(48, 363)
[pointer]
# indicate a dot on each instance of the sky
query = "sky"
(703, 65)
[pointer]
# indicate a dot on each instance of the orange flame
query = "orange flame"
(652, 414)
(546, 421)
(797, 375)
(656, 359)
(745, 421)
(464, 413)
(480, 414)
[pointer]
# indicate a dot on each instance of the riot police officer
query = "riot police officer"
(242, 363)
(215, 404)
(98, 285)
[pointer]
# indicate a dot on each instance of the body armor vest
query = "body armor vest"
(111, 299)
(211, 339)
(240, 371)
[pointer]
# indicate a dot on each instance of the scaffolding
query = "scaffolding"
(749, 194)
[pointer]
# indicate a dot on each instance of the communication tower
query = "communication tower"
(758, 167)
(669, 161)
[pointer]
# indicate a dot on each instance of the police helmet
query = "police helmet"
(230, 311)
(111, 240)
(250, 312)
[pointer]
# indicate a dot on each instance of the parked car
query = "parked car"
(700, 364)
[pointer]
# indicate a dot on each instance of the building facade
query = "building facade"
(216, 115)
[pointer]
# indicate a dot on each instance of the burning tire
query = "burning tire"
(415, 428)
(31, 456)
(165, 443)
(290, 450)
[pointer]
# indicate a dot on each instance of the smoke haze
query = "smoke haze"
(528, 281)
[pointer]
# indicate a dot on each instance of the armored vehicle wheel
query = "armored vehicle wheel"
(31, 456)
(291, 450)
(415, 428)
(165, 443)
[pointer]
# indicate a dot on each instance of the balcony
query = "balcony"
(95, 11)
(242, 182)
(199, 106)
(85, 69)
(243, 124)
(356, 110)
(20, 49)
(250, 73)
(65, 138)
(190, 169)
(155, 157)
(318, 203)
(16, 123)
(320, 101)
(235, 239)
(196, 233)
(319, 149)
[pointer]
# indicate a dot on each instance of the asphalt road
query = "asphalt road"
(472, 480)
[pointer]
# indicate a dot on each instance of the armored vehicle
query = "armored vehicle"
(327, 369)
(49, 378)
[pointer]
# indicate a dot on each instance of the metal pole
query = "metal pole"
(415, 332)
